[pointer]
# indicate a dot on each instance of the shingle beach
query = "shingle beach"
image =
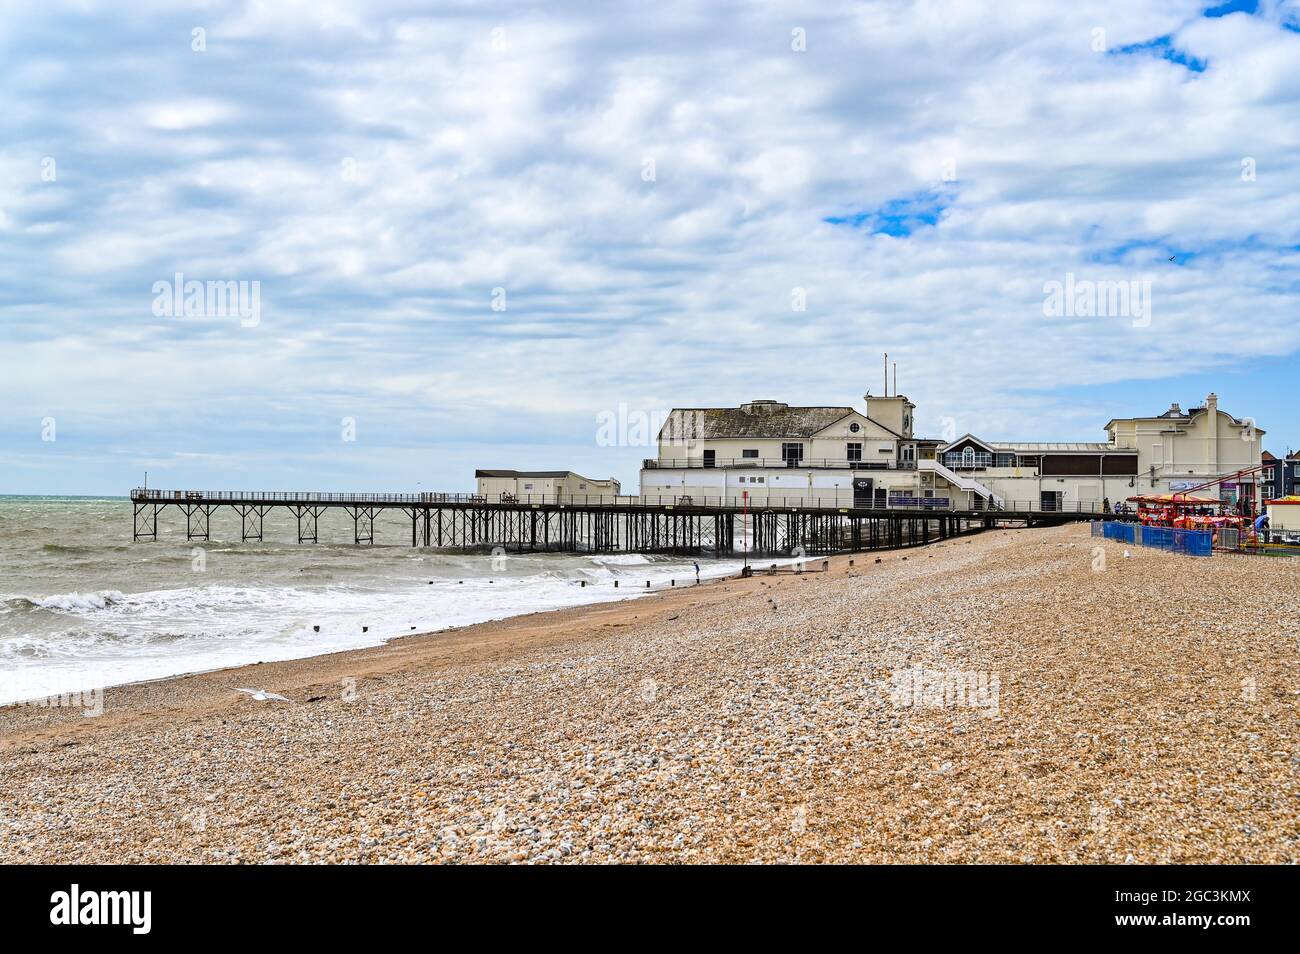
(1015, 696)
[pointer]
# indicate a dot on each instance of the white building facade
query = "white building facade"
(543, 486)
(772, 454)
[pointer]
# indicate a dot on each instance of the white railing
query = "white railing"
(841, 501)
(964, 483)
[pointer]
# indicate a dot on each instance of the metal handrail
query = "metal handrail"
(841, 501)
(776, 463)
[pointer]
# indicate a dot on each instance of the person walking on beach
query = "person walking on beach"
(697, 574)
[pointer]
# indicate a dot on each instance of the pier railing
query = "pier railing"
(777, 463)
(843, 500)
(299, 496)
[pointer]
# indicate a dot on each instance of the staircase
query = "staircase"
(991, 500)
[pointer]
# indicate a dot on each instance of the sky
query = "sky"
(473, 234)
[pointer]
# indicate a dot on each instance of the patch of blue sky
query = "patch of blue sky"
(1166, 250)
(1232, 6)
(1287, 19)
(1162, 47)
(1143, 251)
(899, 217)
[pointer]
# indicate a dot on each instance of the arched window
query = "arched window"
(968, 457)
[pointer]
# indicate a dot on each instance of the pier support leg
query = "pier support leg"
(145, 522)
(308, 523)
(363, 525)
(250, 521)
(198, 521)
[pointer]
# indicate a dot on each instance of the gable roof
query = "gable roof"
(711, 423)
(967, 437)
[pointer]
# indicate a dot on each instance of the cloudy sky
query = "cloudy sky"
(477, 227)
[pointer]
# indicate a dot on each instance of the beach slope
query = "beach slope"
(1016, 696)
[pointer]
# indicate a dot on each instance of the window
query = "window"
(528, 486)
(968, 458)
(792, 454)
(854, 427)
(582, 486)
(909, 453)
(710, 458)
(853, 453)
(749, 453)
(1006, 460)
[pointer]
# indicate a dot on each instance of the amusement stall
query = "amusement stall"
(1186, 512)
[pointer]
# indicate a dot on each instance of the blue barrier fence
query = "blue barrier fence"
(1189, 542)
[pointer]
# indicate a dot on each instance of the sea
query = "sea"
(84, 607)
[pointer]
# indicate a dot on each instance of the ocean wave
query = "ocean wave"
(84, 644)
(622, 559)
(70, 602)
(83, 548)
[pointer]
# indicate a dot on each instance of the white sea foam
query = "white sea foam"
(77, 602)
(108, 637)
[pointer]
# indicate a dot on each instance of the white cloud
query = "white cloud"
(474, 167)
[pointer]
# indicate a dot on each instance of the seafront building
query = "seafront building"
(773, 452)
(547, 484)
(1281, 476)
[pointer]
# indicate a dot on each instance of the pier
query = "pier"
(722, 526)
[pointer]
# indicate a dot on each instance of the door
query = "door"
(710, 458)
(862, 491)
(1051, 500)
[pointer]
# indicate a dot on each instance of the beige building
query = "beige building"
(1180, 449)
(773, 452)
(542, 485)
(840, 456)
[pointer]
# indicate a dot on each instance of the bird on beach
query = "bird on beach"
(261, 695)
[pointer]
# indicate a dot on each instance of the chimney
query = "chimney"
(1211, 402)
(1175, 409)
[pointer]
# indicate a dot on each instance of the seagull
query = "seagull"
(261, 695)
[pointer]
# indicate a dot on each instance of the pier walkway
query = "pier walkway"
(722, 526)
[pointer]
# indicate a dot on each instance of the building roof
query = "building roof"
(1078, 447)
(1045, 447)
(529, 473)
(767, 419)
(1176, 415)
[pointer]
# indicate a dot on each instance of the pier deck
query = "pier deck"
(723, 526)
